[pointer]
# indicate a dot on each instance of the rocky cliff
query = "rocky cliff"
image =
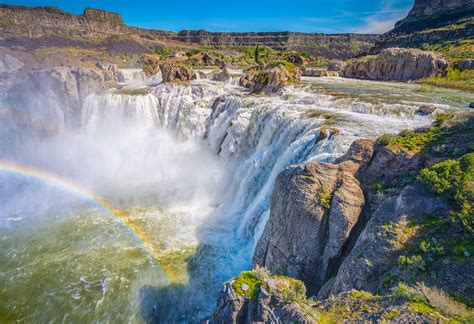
(32, 27)
(378, 219)
(430, 22)
(397, 64)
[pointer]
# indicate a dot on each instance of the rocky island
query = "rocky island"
(236, 177)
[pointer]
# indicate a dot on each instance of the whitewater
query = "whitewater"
(161, 193)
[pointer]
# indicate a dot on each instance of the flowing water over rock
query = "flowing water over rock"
(161, 195)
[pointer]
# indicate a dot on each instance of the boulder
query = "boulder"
(295, 59)
(222, 76)
(337, 66)
(110, 72)
(320, 73)
(173, 72)
(270, 78)
(397, 64)
(465, 65)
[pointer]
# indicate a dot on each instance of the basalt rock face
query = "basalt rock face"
(320, 203)
(327, 222)
(397, 64)
(429, 22)
(33, 27)
(57, 94)
(373, 254)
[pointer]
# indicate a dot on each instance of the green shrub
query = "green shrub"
(453, 180)
(248, 284)
(324, 196)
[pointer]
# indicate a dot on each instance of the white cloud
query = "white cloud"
(382, 20)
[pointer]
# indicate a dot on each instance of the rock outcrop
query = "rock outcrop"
(9, 64)
(57, 94)
(320, 202)
(319, 73)
(222, 76)
(397, 64)
(372, 256)
(173, 72)
(264, 299)
(270, 78)
(277, 299)
(465, 65)
(344, 226)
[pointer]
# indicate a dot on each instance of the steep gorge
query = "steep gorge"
(33, 27)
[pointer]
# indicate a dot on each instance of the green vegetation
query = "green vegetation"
(248, 284)
(455, 50)
(163, 51)
(257, 55)
(454, 180)
(324, 196)
(456, 79)
(425, 300)
(447, 137)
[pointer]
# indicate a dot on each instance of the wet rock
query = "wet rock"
(57, 94)
(426, 110)
(173, 72)
(222, 76)
(110, 71)
(337, 66)
(397, 64)
(471, 105)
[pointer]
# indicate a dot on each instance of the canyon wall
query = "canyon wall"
(430, 22)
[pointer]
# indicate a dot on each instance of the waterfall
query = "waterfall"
(194, 166)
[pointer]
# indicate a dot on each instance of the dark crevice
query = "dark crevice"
(335, 263)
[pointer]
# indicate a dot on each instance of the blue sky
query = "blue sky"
(325, 16)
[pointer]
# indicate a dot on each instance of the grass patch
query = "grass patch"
(448, 137)
(455, 79)
(248, 284)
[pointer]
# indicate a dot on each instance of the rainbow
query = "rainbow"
(76, 189)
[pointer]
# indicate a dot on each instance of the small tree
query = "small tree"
(257, 55)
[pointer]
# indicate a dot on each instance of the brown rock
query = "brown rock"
(270, 78)
(172, 72)
(397, 64)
